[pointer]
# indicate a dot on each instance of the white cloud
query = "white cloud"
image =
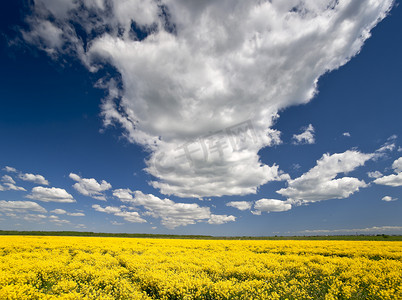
(8, 179)
(241, 205)
(306, 137)
(50, 195)
(388, 198)
(20, 206)
(244, 179)
(375, 174)
(34, 218)
(90, 187)
(172, 214)
(38, 179)
(390, 180)
(58, 8)
(271, 205)
(221, 219)
(374, 229)
(9, 184)
(11, 187)
(296, 166)
(10, 169)
(393, 179)
(46, 35)
(76, 214)
(107, 209)
(133, 217)
(347, 134)
(397, 165)
(386, 147)
(59, 211)
(199, 71)
(389, 146)
(124, 195)
(58, 221)
(320, 182)
(116, 223)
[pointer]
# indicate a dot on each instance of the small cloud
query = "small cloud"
(11, 187)
(393, 179)
(38, 179)
(274, 137)
(58, 221)
(322, 181)
(306, 137)
(221, 219)
(389, 146)
(375, 174)
(107, 209)
(76, 214)
(296, 166)
(271, 205)
(20, 207)
(10, 169)
(116, 223)
(386, 147)
(133, 217)
(390, 180)
(34, 218)
(90, 187)
(80, 226)
(240, 205)
(59, 211)
(9, 184)
(172, 214)
(346, 134)
(388, 199)
(7, 179)
(397, 165)
(50, 195)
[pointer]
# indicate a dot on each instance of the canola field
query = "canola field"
(126, 268)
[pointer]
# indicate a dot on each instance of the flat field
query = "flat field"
(128, 268)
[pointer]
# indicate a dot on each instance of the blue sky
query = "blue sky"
(290, 114)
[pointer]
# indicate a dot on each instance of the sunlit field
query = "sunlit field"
(124, 268)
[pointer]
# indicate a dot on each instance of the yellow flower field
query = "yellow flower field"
(126, 268)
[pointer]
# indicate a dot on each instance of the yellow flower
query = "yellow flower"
(117, 268)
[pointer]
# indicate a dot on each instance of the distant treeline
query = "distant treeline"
(102, 234)
(378, 237)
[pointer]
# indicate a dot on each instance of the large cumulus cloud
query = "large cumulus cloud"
(200, 83)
